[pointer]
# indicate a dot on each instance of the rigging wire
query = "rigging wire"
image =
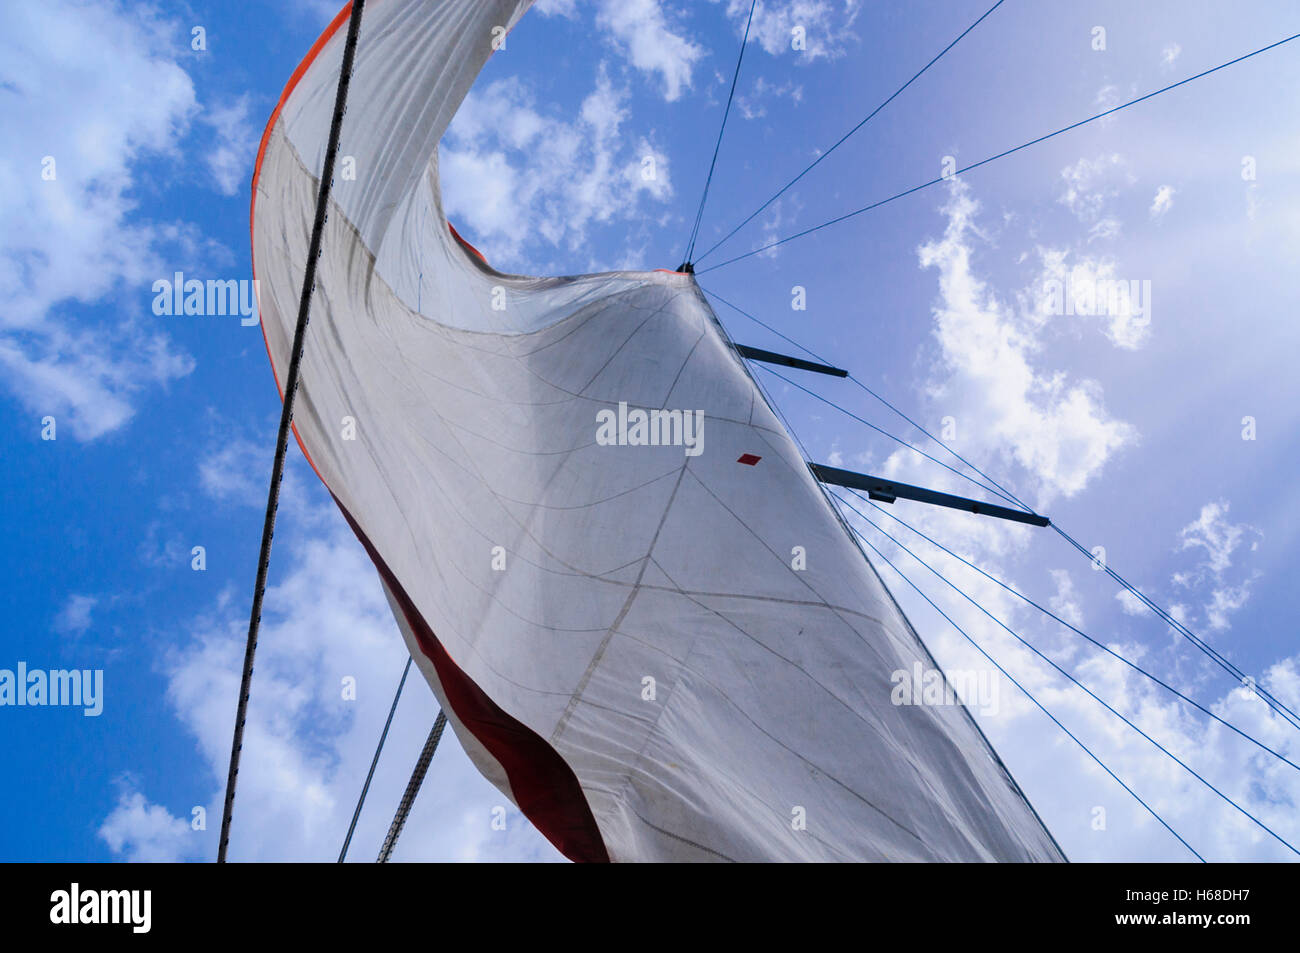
(699, 216)
(758, 211)
(993, 487)
(1051, 615)
(1069, 677)
(1205, 648)
(412, 788)
(791, 341)
(853, 536)
(1007, 495)
(374, 761)
(1287, 714)
(830, 493)
(1027, 693)
(1277, 706)
(891, 436)
(1267, 697)
(286, 420)
(772, 404)
(976, 165)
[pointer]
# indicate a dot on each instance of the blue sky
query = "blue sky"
(1126, 428)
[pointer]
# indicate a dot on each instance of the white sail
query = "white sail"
(624, 637)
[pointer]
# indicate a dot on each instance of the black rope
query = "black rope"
(286, 420)
(374, 761)
(412, 788)
(758, 211)
(976, 165)
(699, 215)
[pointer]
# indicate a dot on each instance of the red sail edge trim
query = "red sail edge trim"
(544, 786)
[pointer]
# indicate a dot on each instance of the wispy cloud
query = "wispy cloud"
(810, 30)
(82, 128)
(1163, 201)
(140, 831)
(1094, 291)
(74, 618)
(1065, 602)
(326, 627)
(1091, 187)
(642, 31)
(235, 470)
(752, 103)
(1212, 532)
(1057, 429)
(230, 157)
(522, 180)
(1219, 539)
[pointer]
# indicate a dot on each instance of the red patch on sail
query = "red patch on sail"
(748, 459)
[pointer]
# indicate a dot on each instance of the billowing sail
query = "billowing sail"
(643, 617)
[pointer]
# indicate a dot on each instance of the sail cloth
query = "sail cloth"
(667, 650)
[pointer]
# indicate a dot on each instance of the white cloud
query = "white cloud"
(751, 102)
(1262, 785)
(306, 747)
(230, 159)
(827, 26)
(1223, 602)
(1163, 201)
(1057, 429)
(163, 547)
(1063, 783)
(321, 11)
(1169, 54)
(641, 30)
(1065, 603)
(774, 223)
(1091, 187)
(88, 379)
(520, 180)
(1131, 604)
(237, 470)
(563, 8)
(1212, 532)
(1220, 542)
(72, 138)
(1090, 288)
(74, 618)
(1108, 97)
(1219, 539)
(143, 832)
